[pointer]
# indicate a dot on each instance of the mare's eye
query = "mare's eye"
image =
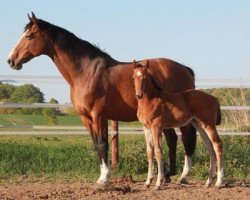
(29, 37)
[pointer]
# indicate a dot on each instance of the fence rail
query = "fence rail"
(200, 83)
(50, 105)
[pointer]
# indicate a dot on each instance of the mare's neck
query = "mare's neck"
(72, 69)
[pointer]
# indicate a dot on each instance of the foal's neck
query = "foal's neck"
(150, 92)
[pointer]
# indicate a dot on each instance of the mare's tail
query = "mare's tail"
(218, 120)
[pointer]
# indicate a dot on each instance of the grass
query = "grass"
(57, 157)
(18, 119)
(232, 120)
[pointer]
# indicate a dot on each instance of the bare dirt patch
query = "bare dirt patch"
(122, 190)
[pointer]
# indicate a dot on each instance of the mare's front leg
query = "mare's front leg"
(150, 155)
(98, 129)
(157, 137)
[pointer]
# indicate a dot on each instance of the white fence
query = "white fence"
(21, 79)
(50, 105)
(200, 83)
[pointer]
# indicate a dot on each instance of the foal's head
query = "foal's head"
(31, 44)
(139, 76)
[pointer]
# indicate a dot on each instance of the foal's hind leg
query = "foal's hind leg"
(150, 155)
(217, 145)
(210, 148)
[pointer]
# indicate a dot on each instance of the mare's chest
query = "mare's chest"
(88, 94)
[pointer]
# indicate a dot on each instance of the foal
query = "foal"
(158, 111)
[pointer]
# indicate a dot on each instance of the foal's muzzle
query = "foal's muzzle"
(139, 95)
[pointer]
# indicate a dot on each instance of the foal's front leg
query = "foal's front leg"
(157, 136)
(150, 155)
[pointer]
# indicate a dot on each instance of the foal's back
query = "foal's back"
(193, 103)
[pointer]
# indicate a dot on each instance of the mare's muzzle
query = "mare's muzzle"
(13, 64)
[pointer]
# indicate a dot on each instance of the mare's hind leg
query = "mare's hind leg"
(171, 139)
(150, 155)
(115, 144)
(217, 145)
(212, 154)
(189, 142)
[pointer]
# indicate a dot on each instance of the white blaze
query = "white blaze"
(139, 74)
(12, 51)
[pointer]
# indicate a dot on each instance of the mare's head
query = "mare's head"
(31, 44)
(140, 75)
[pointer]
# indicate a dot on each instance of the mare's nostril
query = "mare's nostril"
(10, 62)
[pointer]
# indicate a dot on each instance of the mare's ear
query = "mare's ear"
(33, 18)
(29, 17)
(134, 64)
(146, 64)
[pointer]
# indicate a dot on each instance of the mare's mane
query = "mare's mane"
(68, 42)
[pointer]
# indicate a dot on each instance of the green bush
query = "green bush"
(50, 116)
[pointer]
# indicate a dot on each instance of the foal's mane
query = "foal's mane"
(153, 81)
(68, 42)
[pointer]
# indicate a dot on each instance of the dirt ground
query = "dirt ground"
(122, 190)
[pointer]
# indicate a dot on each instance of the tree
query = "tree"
(27, 94)
(55, 111)
(52, 100)
(6, 90)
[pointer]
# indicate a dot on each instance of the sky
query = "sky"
(212, 37)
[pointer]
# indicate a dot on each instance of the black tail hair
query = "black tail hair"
(218, 120)
(189, 140)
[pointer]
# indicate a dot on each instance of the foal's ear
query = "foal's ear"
(134, 64)
(147, 64)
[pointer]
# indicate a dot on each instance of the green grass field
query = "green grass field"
(15, 119)
(12, 120)
(73, 157)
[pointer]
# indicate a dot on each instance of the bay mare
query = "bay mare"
(101, 87)
(160, 110)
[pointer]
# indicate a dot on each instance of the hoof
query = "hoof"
(218, 185)
(182, 181)
(207, 185)
(146, 186)
(157, 188)
(101, 186)
(167, 179)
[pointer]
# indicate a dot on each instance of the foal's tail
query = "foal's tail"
(218, 120)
